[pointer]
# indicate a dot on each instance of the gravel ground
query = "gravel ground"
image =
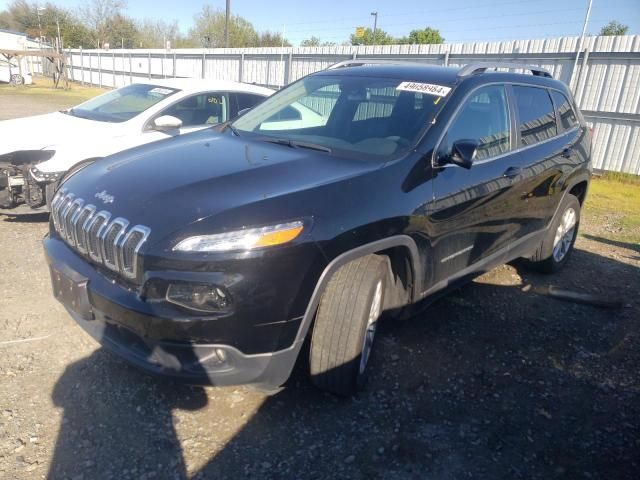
(492, 381)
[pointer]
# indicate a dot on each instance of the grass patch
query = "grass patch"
(43, 88)
(621, 177)
(612, 209)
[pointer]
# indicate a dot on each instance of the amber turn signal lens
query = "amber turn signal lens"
(279, 237)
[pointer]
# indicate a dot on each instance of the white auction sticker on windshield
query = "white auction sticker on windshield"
(161, 91)
(428, 88)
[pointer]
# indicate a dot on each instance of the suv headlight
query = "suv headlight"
(40, 176)
(246, 239)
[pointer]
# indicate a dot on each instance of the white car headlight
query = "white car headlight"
(247, 239)
(41, 176)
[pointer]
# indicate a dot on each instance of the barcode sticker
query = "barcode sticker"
(428, 88)
(161, 91)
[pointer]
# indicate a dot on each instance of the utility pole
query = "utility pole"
(59, 36)
(375, 25)
(226, 24)
(38, 10)
(581, 42)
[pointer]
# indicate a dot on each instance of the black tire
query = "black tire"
(544, 260)
(16, 79)
(342, 321)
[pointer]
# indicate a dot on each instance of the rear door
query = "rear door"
(536, 161)
(472, 207)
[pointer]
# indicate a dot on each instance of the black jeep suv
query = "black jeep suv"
(358, 190)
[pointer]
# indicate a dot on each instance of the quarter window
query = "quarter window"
(568, 118)
(535, 110)
(484, 118)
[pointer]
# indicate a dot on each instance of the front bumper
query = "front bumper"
(174, 347)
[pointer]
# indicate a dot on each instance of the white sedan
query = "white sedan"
(36, 151)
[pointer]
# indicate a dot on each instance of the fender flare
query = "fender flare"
(283, 361)
(368, 248)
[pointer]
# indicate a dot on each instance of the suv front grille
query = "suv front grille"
(93, 234)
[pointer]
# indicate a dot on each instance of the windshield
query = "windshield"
(353, 115)
(122, 104)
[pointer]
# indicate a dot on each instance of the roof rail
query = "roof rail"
(359, 62)
(475, 68)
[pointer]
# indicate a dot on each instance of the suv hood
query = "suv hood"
(172, 183)
(46, 131)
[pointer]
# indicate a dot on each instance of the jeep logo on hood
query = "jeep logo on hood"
(104, 196)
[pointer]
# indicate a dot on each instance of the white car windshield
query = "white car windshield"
(355, 116)
(122, 104)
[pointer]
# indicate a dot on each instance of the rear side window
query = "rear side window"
(484, 118)
(244, 101)
(537, 117)
(568, 118)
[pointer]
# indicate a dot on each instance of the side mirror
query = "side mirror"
(463, 153)
(167, 122)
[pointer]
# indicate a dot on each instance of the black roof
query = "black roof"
(448, 76)
(415, 72)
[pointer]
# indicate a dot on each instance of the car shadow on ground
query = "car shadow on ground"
(491, 381)
(631, 246)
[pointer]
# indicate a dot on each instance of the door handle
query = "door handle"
(512, 172)
(567, 152)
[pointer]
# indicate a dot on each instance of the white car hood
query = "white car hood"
(47, 131)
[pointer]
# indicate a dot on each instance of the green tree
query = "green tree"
(271, 39)
(310, 42)
(315, 42)
(122, 32)
(34, 18)
(381, 38)
(208, 30)
(427, 35)
(153, 33)
(614, 28)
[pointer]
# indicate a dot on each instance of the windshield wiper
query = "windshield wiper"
(228, 124)
(297, 144)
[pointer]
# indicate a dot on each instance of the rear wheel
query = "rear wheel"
(16, 79)
(346, 325)
(556, 247)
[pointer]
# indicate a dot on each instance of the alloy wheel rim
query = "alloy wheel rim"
(372, 325)
(564, 234)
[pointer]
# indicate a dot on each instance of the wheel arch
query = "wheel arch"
(398, 249)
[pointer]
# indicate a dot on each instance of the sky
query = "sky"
(457, 20)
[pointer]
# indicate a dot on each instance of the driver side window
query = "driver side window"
(485, 119)
(203, 109)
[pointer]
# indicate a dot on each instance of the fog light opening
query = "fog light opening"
(199, 297)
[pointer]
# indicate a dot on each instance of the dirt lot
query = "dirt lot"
(494, 381)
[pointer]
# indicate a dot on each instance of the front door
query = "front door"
(471, 206)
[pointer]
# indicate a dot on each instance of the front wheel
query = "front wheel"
(557, 245)
(346, 324)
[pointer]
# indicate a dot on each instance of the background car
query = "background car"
(36, 151)
(10, 73)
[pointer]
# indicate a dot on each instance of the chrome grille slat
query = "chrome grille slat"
(70, 218)
(94, 235)
(96, 229)
(83, 221)
(109, 242)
